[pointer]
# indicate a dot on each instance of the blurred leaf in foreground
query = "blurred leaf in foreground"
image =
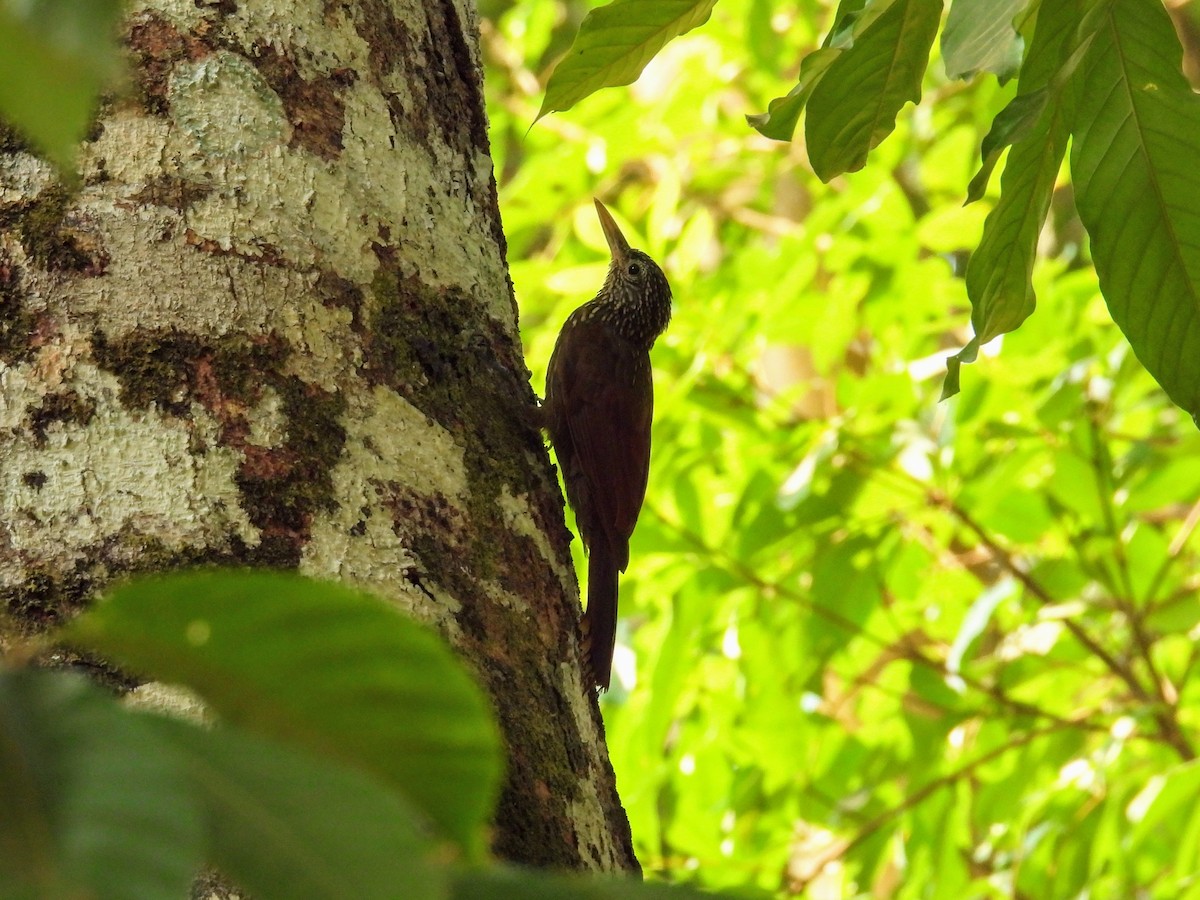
(55, 58)
(317, 665)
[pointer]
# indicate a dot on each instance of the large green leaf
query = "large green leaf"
(980, 37)
(614, 44)
(319, 665)
(854, 105)
(285, 823)
(92, 802)
(1136, 139)
(1037, 124)
(55, 56)
(779, 121)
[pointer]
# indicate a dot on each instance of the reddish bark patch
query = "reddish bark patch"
(436, 531)
(416, 515)
(267, 464)
(524, 572)
(157, 47)
(261, 252)
(314, 108)
(283, 486)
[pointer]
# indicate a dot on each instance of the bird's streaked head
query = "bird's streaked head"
(636, 295)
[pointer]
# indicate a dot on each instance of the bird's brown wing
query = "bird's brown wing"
(602, 392)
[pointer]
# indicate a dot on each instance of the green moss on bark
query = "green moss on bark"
(282, 486)
(47, 241)
(16, 322)
(438, 349)
(427, 345)
(62, 406)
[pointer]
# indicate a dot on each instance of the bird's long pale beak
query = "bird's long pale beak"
(617, 245)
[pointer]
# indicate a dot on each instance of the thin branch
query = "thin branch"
(1168, 726)
(1102, 467)
(1186, 528)
(935, 497)
(903, 648)
(915, 799)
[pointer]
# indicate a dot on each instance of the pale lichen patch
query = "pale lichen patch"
(412, 448)
(130, 151)
(317, 34)
(191, 290)
(268, 422)
(226, 107)
(170, 700)
(183, 14)
(518, 516)
(387, 441)
(387, 186)
(22, 177)
(121, 472)
(324, 352)
(591, 827)
(53, 367)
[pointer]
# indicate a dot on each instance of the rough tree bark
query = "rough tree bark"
(274, 327)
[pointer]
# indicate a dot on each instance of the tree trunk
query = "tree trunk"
(273, 327)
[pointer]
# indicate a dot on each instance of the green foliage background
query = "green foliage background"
(872, 644)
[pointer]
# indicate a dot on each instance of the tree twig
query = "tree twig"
(915, 799)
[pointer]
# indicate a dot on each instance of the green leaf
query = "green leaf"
(1013, 123)
(1135, 141)
(1178, 616)
(614, 44)
(979, 37)
(854, 105)
(1059, 44)
(284, 822)
(318, 665)
(1037, 121)
(1169, 797)
(975, 621)
(94, 803)
(779, 121)
(55, 57)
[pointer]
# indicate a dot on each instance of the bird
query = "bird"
(598, 409)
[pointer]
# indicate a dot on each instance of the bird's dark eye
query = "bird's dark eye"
(634, 269)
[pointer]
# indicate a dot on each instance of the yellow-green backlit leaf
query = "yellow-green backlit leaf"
(614, 44)
(1136, 137)
(854, 105)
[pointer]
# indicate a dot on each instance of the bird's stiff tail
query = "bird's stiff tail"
(598, 630)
